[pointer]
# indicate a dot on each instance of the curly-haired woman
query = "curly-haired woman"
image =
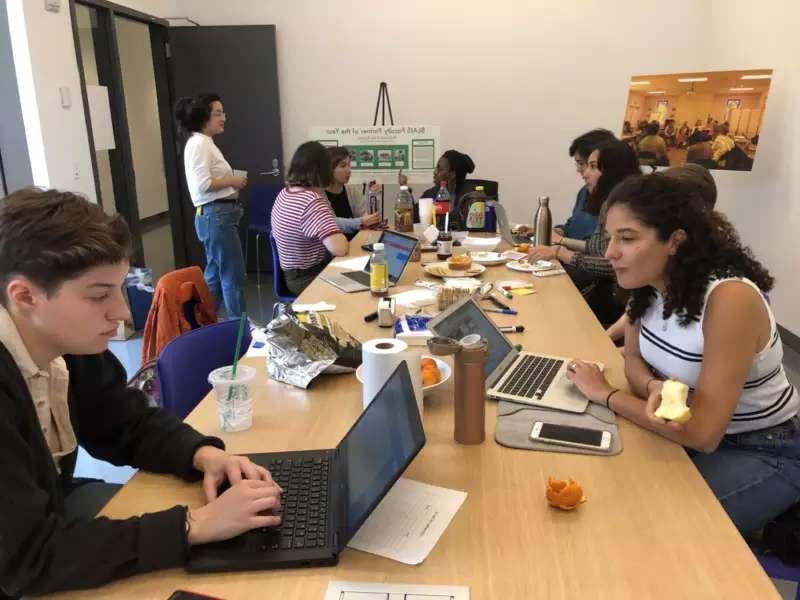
(699, 314)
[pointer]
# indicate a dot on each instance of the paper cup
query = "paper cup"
(426, 211)
(234, 401)
(240, 173)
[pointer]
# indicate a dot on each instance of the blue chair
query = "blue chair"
(259, 217)
(183, 366)
(776, 569)
(282, 293)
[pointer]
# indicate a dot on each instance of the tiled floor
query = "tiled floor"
(259, 302)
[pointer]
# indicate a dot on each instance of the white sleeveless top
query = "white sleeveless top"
(675, 351)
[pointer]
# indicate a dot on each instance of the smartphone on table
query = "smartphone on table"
(567, 435)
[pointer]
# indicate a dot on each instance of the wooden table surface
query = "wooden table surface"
(650, 528)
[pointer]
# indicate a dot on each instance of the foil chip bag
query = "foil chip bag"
(303, 346)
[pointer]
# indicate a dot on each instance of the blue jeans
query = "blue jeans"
(755, 475)
(218, 230)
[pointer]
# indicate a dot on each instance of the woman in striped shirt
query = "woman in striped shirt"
(303, 223)
(699, 314)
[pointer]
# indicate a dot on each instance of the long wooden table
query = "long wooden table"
(651, 528)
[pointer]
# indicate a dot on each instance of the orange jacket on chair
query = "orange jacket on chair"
(166, 319)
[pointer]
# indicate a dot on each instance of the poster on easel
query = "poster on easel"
(378, 152)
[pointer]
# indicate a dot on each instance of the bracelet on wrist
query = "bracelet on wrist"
(608, 397)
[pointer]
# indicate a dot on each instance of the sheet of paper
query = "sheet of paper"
(351, 264)
(409, 521)
(360, 590)
(415, 298)
(316, 307)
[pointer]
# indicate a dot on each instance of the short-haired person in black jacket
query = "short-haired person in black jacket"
(62, 266)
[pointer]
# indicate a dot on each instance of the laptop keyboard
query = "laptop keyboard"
(359, 276)
(531, 377)
(304, 509)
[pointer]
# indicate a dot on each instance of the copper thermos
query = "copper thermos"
(470, 385)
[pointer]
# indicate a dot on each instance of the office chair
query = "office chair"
(282, 293)
(259, 220)
(183, 366)
(777, 569)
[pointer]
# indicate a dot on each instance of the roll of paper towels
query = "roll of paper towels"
(380, 358)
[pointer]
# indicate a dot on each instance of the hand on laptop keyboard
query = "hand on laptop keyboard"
(238, 509)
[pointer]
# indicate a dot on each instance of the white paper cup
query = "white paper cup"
(426, 211)
(235, 409)
(240, 173)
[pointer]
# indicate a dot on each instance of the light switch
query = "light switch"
(66, 97)
(52, 5)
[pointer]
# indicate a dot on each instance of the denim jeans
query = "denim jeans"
(218, 230)
(755, 475)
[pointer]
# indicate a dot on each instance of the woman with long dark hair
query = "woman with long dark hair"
(699, 314)
(609, 163)
(214, 190)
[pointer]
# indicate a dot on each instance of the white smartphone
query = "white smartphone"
(566, 435)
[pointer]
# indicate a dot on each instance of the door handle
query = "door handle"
(275, 170)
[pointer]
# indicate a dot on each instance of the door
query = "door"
(239, 63)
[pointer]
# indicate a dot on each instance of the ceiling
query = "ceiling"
(719, 82)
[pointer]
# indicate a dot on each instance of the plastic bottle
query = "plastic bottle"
(476, 211)
(444, 245)
(441, 204)
(378, 271)
(543, 223)
(403, 211)
(490, 219)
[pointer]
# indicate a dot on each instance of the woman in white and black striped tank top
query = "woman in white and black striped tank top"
(699, 314)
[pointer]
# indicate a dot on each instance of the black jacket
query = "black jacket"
(40, 551)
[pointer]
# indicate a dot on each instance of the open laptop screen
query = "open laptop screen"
(467, 319)
(398, 251)
(380, 446)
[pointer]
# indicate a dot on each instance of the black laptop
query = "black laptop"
(328, 494)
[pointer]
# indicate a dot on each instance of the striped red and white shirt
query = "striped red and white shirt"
(301, 219)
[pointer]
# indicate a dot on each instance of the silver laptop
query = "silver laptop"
(523, 377)
(502, 224)
(398, 246)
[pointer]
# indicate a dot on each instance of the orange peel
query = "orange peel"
(566, 495)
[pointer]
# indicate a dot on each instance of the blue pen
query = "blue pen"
(502, 311)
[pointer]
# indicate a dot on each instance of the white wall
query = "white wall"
(765, 203)
(511, 83)
(45, 60)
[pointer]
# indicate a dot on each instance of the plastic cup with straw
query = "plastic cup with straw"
(230, 418)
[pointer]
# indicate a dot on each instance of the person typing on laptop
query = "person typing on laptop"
(62, 264)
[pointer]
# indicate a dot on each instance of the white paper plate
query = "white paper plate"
(539, 265)
(432, 269)
(488, 258)
(444, 372)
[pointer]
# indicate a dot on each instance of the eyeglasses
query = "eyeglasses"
(217, 113)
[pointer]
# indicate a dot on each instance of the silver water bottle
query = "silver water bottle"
(543, 224)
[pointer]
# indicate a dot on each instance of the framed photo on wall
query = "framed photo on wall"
(732, 103)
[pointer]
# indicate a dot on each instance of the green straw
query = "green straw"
(239, 336)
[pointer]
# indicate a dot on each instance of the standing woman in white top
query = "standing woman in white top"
(215, 193)
(699, 314)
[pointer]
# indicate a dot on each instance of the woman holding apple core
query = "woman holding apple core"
(699, 314)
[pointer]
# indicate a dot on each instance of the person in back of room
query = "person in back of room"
(697, 179)
(721, 144)
(581, 223)
(609, 163)
(652, 143)
(452, 167)
(214, 190)
(699, 315)
(303, 223)
(347, 201)
(63, 262)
